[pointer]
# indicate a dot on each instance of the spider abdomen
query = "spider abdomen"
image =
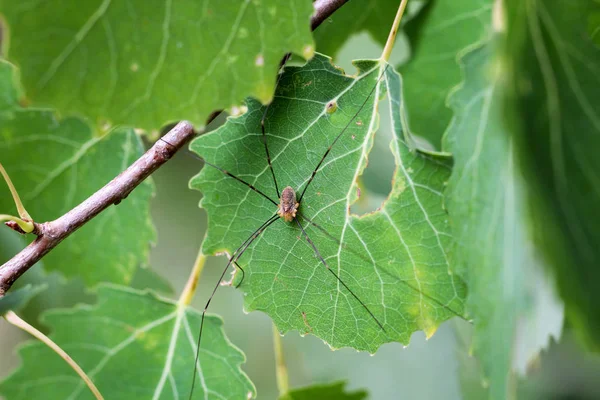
(288, 206)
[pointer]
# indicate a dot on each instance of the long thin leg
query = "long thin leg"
(243, 274)
(240, 180)
(330, 236)
(235, 256)
(262, 126)
(339, 135)
(339, 243)
(319, 227)
(361, 256)
(337, 277)
(197, 157)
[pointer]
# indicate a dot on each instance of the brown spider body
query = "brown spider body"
(288, 206)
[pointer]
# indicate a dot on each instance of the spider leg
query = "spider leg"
(235, 256)
(243, 273)
(197, 157)
(262, 127)
(312, 176)
(337, 277)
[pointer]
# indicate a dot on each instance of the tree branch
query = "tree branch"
(323, 9)
(50, 234)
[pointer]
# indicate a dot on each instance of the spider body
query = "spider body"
(288, 206)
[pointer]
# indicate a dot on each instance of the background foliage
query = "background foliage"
(512, 94)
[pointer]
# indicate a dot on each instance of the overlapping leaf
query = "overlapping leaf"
(513, 308)
(18, 298)
(330, 391)
(395, 260)
(56, 164)
(145, 64)
(556, 66)
(133, 345)
(438, 35)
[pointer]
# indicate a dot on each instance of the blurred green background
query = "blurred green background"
(438, 368)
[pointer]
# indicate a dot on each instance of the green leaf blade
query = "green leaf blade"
(477, 212)
(133, 345)
(127, 63)
(329, 391)
(439, 34)
(495, 248)
(283, 277)
(557, 64)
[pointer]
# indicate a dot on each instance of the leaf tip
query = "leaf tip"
(429, 330)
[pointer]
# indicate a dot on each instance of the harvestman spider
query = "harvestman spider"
(287, 210)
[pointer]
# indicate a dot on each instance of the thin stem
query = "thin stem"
(26, 226)
(389, 45)
(19, 323)
(498, 16)
(280, 367)
(50, 234)
(192, 283)
(20, 207)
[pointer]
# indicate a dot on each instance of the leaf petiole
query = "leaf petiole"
(26, 226)
(387, 50)
(20, 208)
(280, 367)
(190, 287)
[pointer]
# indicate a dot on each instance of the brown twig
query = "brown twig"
(50, 234)
(323, 9)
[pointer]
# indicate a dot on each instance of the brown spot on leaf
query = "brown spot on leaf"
(306, 323)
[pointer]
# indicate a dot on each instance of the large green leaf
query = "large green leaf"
(329, 391)
(438, 35)
(133, 345)
(556, 67)
(146, 63)
(495, 250)
(55, 164)
(395, 259)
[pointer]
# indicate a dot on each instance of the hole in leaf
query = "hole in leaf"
(375, 184)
